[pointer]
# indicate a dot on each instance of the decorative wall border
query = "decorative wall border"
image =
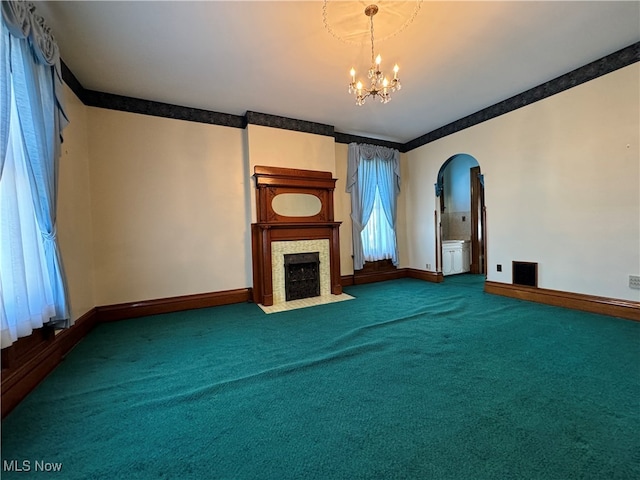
(274, 121)
(73, 83)
(590, 71)
(112, 101)
(159, 109)
(348, 138)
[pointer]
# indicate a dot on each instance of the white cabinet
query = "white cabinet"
(456, 256)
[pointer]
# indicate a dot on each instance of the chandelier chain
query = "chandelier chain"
(372, 52)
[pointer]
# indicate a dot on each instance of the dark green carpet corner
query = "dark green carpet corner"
(411, 380)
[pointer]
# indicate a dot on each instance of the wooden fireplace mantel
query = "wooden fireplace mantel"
(272, 226)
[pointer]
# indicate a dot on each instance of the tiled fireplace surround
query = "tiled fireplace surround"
(280, 249)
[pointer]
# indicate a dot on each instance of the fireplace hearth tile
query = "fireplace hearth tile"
(305, 302)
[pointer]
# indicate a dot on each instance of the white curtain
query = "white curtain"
(373, 179)
(25, 274)
(378, 236)
(32, 285)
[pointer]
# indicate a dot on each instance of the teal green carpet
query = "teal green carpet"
(411, 380)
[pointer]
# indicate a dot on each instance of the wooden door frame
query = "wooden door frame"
(478, 239)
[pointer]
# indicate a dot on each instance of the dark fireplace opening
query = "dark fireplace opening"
(301, 275)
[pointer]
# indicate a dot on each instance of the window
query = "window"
(378, 236)
(373, 179)
(32, 287)
(27, 296)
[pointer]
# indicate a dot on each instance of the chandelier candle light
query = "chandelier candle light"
(379, 85)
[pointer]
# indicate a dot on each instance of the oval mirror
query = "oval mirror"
(296, 205)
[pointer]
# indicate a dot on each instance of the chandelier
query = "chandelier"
(379, 85)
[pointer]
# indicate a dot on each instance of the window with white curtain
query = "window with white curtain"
(32, 285)
(373, 180)
(24, 275)
(378, 236)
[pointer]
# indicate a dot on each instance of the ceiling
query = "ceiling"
(280, 58)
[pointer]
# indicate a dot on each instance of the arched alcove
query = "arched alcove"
(459, 189)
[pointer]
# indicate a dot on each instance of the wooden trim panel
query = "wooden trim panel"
(123, 311)
(24, 348)
(29, 360)
(271, 227)
(273, 181)
(18, 385)
(263, 234)
(32, 358)
(435, 277)
(606, 306)
(380, 276)
(346, 280)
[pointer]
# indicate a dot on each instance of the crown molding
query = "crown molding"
(348, 138)
(586, 73)
(285, 123)
(73, 83)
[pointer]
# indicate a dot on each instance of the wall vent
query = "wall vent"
(525, 273)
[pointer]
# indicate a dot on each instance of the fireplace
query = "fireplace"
(280, 232)
(278, 251)
(302, 275)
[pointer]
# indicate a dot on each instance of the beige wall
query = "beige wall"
(169, 203)
(342, 202)
(562, 187)
(74, 209)
(403, 250)
(284, 148)
(274, 147)
(153, 207)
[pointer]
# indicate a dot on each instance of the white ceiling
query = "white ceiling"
(278, 58)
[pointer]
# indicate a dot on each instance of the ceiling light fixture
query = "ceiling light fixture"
(379, 85)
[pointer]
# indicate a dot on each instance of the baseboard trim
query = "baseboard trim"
(435, 277)
(18, 382)
(46, 354)
(428, 276)
(359, 279)
(626, 309)
(123, 311)
(346, 280)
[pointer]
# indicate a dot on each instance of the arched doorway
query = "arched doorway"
(460, 214)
